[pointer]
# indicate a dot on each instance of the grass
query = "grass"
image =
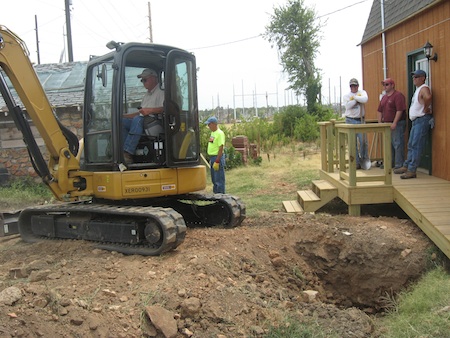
(294, 329)
(24, 191)
(423, 311)
(264, 187)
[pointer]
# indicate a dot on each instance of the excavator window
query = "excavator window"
(98, 119)
(182, 111)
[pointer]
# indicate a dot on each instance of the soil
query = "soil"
(338, 271)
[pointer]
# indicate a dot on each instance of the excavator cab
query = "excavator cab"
(170, 139)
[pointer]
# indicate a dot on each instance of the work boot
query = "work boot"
(401, 170)
(408, 174)
(358, 166)
(127, 157)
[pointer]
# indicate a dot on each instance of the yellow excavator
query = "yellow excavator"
(139, 208)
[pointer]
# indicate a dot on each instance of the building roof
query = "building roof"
(395, 11)
(62, 82)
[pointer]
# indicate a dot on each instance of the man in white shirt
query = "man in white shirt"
(152, 103)
(354, 111)
(420, 114)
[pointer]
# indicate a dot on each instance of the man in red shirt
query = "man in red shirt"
(392, 109)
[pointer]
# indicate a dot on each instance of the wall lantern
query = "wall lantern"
(428, 51)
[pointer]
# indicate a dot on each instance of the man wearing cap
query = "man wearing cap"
(215, 152)
(392, 109)
(152, 103)
(354, 111)
(420, 114)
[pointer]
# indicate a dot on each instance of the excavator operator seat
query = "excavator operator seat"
(153, 125)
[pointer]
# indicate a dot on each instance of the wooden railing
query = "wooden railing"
(338, 150)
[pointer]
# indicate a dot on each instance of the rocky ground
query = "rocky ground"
(337, 271)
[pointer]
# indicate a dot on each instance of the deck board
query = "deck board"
(426, 199)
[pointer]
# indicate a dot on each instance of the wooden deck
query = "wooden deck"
(425, 199)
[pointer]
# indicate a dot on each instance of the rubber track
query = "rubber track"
(235, 206)
(8, 223)
(172, 223)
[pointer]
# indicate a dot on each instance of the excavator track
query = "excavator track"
(208, 209)
(148, 231)
(8, 223)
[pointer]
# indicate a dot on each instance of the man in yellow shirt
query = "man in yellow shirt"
(215, 152)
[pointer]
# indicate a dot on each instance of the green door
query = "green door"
(417, 60)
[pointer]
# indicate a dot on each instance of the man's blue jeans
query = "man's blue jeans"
(218, 177)
(132, 130)
(360, 151)
(398, 144)
(417, 138)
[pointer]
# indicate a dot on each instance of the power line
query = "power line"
(260, 35)
(341, 9)
(227, 43)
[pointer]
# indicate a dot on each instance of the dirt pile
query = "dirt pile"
(218, 283)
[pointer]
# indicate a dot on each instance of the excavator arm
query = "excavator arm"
(61, 172)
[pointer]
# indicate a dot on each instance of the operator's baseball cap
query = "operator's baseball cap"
(147, 72)
(212, 119)
(388, 81)
(419, 72)
(354, 82)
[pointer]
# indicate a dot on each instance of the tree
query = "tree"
(294, 30)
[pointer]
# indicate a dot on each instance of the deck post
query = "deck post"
(323, 145)
(330, 146)
(354, 210)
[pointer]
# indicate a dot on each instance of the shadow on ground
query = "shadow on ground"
(339, 207)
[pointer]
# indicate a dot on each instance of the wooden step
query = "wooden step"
(325, 190)
(307, 195)
(292, 206)
(323, 185)
(309, 201)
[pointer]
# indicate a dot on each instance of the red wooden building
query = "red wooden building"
(393, 46)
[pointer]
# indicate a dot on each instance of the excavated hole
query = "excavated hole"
(353, 276)
(365, 265)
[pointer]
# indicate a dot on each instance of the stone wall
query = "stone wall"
(13, 153)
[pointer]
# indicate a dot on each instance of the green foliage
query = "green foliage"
(204, 137)
(295, 31)
(306, 129)
(257, 161)
(26, 188)
(256, 130)
(24, 191)
(234, 158)
(297, 123)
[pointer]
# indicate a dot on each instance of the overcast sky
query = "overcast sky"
(237, 66)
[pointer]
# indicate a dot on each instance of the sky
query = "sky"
(237, 67)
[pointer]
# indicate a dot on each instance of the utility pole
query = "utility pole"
(37, 40)
(234, 103)
(340, 96)
(69, 30)
(150, 23)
